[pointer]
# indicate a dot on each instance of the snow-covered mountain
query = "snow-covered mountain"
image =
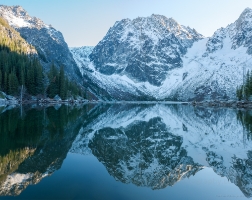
(49, 42)
(143, 49)
(147, 58)
(155, 57)
(158, 145)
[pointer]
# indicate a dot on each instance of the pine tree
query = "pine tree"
(12, 83)
(62, 86)
(22, 78)
(53, 88)
(5, 82)
(39, 79)
(31, 80)
(250, 83)
(247, 86)
(0, 79)
(239, 93)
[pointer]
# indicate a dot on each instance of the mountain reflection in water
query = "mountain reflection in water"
(152, 146)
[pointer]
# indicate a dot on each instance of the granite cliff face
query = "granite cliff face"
(144, 49)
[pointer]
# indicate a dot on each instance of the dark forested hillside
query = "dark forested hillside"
(19, 65)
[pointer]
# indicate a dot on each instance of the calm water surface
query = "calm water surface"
(125, 151)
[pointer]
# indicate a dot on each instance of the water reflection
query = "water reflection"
(143, 153)
(157, 146)
(34, 145)
(151, 146)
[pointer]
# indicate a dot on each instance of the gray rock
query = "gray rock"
(11, 98)
(34, 98)
(2, 102)
(57, 98)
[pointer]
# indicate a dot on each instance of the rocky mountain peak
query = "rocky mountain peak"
(168, 23)
(247, 13)
(18, 10)
(156, 27)
(18, 17)
(241, 31)
(144, 49)
(245, 19)
(180, 31)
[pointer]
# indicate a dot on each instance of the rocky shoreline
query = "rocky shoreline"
(227, 104)
(7, 100)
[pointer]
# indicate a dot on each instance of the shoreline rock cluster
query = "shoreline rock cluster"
(227, 104)
(6, 100)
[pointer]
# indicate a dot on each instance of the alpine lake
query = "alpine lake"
(125, 151)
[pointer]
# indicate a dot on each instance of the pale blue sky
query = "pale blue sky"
(85, 22)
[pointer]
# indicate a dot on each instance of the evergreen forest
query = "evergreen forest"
(244, 91)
